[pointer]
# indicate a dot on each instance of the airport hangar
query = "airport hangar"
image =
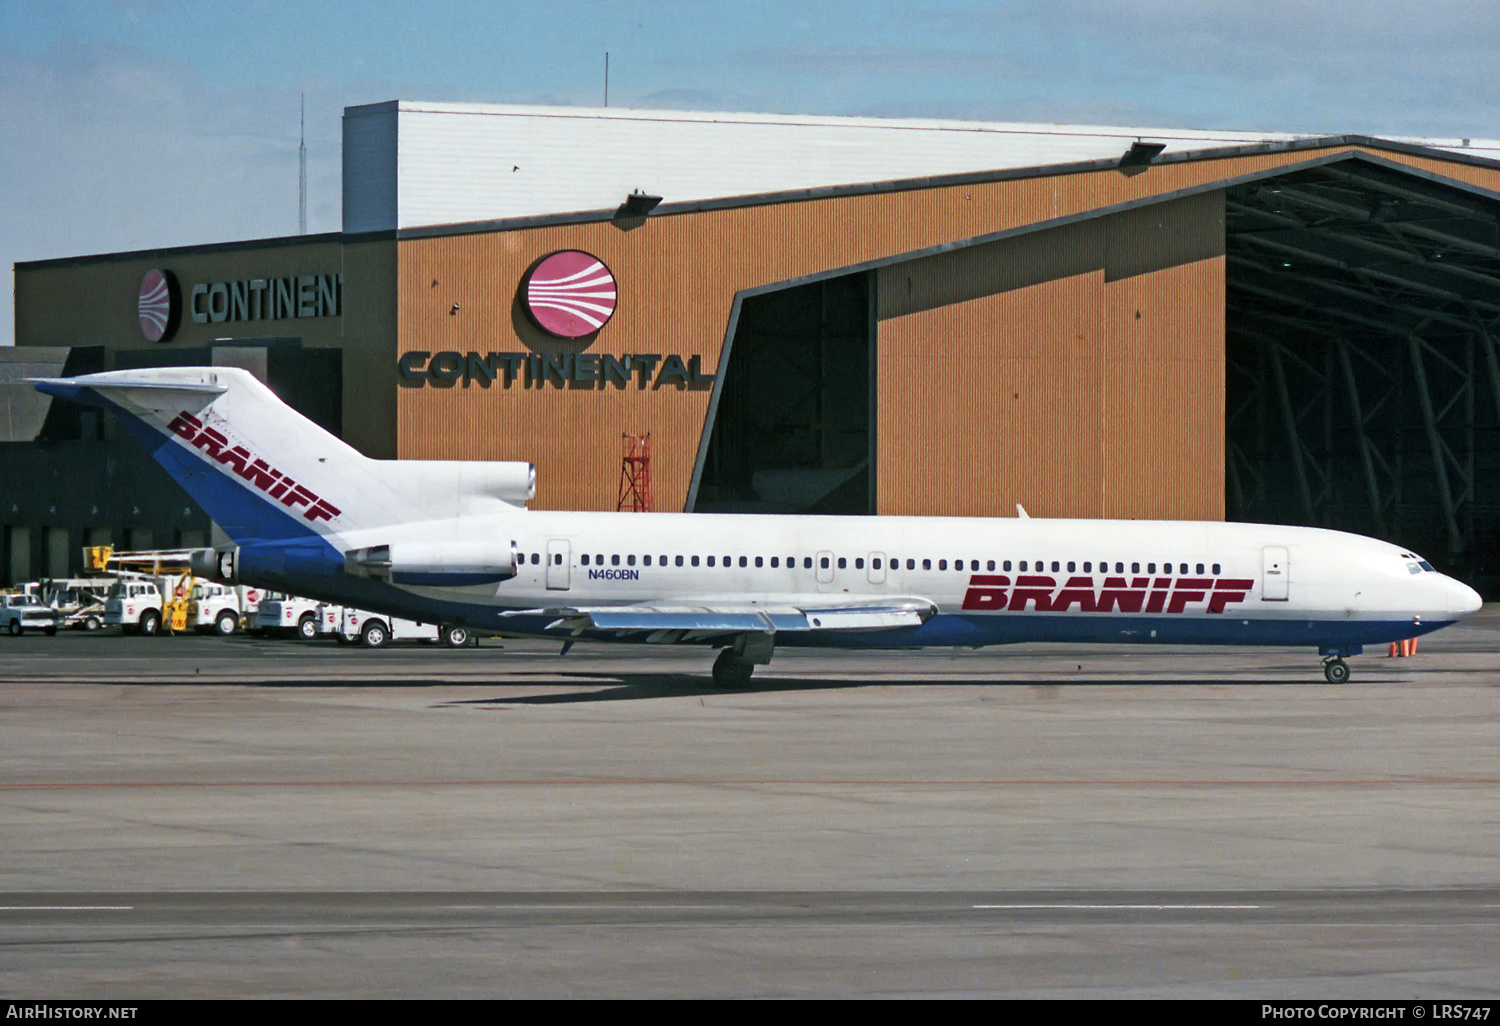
(830, 315)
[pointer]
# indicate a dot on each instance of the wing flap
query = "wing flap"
(737, 618)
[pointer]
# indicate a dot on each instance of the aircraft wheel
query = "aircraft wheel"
(1336, 671)
(150, 622)
(226, 623)
(730, 671)
(454, 637)
(307, 628)
(374, 635)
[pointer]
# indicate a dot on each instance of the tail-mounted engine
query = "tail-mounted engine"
(434, 564)
(222, 565)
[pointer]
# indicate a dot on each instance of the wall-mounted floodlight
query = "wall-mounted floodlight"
(1141, 154)
(639, 204)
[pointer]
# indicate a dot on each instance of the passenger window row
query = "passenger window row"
(876, 563)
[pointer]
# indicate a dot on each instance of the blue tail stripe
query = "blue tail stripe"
(244, 514)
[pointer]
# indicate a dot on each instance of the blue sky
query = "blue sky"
(131, 124)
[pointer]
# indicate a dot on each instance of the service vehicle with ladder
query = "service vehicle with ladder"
(77, 602)
(151, 591)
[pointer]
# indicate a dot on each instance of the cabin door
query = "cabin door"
(825, 570)
(558, 564)
(1275, 576)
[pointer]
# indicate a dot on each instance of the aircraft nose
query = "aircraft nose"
(1463, 599)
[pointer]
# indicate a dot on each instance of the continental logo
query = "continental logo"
(254, 470)
(994, 593)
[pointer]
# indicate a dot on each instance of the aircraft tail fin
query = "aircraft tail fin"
(264, 472)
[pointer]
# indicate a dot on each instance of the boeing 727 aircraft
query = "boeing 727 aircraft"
(452, 543)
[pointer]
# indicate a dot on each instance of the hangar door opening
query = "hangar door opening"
(1363, 358)
(793, 429)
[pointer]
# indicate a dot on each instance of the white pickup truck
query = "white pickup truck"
(20, 613)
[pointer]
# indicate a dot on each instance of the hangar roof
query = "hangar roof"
(410, 164)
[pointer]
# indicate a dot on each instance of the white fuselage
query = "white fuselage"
(1004, 579)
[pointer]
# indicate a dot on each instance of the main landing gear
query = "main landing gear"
(733, 667)
(730, 671)
(1335, 670)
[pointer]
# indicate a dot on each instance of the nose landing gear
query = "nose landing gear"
(1335, 670)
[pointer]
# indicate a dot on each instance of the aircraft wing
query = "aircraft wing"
(734, 618)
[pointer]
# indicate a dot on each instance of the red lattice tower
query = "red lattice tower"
(635, 474)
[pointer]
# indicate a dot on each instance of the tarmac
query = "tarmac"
(203, 817)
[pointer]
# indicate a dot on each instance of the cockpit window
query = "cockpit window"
(1416, 564)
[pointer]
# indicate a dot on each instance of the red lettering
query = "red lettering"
(321, 510)
(1037, 590)
(210, 441)
(986, 593)
(236, 457)
(1158, 597)
(1228, 590)
(185, 425)
(1189, 589)
(1117, 593)
(1078, 589)
(260, 474)
(296, 495)
(263, 476)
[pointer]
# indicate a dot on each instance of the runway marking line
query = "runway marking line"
(43, 785)
(1067, 907)
(67, 908)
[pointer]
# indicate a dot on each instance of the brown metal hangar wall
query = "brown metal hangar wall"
(1471, 174)
(1078, 371)
(92, 301)
(678, 274)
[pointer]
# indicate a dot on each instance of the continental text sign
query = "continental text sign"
(267, 299)
(560, 370)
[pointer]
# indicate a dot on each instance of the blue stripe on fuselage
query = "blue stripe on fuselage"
(957, 629)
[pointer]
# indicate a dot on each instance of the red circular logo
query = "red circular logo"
(158, 305)
(570, 294)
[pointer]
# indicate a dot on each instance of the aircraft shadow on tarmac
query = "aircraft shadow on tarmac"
(637, 686)
(640, 686)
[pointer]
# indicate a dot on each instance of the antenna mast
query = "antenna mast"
(302, 173)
